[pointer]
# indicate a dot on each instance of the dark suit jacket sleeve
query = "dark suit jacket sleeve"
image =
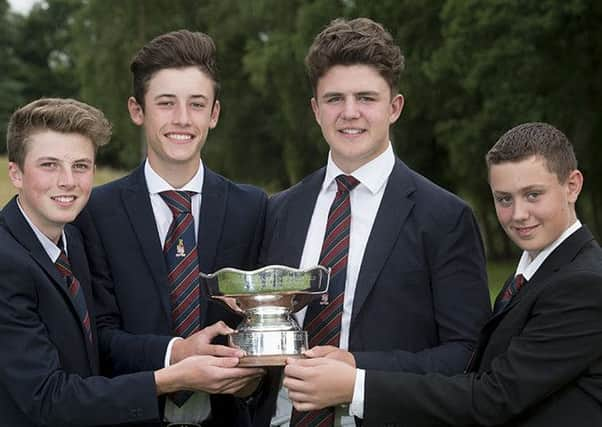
(562, 338)
(458, 281)
(31, 370)
(121, 352)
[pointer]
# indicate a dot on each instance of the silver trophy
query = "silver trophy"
(267, 297)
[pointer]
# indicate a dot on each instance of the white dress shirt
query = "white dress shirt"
(526, 266)
(198, 406)
(49, 246)
(365, 200)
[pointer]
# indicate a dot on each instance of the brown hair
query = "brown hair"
(177, 49)
(535, 139)
(55, 114)
(358, 41)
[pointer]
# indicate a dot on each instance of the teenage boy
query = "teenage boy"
(150, 233)
(539, 357)
(408, 285)
(49, 366)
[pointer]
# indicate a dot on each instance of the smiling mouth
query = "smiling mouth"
(525, 231)
(179, 136)
(64, 199)
(352, 131)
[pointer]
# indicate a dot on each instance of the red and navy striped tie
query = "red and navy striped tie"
(512, 289)
(182, 261)
(75, 291)
(323, 321)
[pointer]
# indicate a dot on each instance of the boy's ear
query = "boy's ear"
(574, 184)
(15, 175)
(136, 111)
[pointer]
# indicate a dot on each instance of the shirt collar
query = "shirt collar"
(157, 184)
(528, 267)
(373, 175)
(49, 246)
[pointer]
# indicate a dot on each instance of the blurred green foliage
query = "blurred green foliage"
(473, 70)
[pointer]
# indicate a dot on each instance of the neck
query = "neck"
(176, 174)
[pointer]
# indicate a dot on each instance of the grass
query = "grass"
(497, 271)
(7, 191)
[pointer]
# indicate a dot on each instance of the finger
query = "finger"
(218, 328)
(235, 373)
(320, 351)
(223, 362)
(305, 406)
(224, 351)
(295, 385)
(231, 386)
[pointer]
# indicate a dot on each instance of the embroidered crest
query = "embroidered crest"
(180, 250)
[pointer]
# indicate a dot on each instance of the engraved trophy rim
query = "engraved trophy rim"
(278, 267)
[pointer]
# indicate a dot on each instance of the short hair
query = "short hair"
(61, 115)
(535, 139)
(358, 41)
(177, 49)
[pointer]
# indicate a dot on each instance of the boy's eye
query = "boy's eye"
(503, 200)
(533, 195)
(81, 166)
(48, 165)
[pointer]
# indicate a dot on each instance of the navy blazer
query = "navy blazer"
(421, 294)
(48, 369)
(129, 272)
(538, 361)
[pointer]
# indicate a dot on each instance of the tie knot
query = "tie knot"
(346, 183)
(178, 201)
(63, 265)
(519, 281)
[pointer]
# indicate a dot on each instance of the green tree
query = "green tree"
(510, 66)
(10, 85)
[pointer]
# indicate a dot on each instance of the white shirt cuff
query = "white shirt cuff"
(357, 403)
(168, 351)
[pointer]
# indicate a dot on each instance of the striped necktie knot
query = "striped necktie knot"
(346, 183)
(179, 202)
(511, 290)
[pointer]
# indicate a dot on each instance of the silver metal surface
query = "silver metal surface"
(267, 297)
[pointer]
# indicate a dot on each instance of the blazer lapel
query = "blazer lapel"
(298, 217)
(211, 219)
(137, 204)
(393, 211)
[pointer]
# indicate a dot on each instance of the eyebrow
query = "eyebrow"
(364, 92)
(169, 95)
(521, 190)
(56, 159)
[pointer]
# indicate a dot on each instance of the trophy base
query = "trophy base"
(259, 361)
(269, 348)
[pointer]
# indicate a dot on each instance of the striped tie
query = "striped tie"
(77, 295)
(182, 261)
(323, 318)
(512, 289)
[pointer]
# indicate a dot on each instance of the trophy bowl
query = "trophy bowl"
(267, 297)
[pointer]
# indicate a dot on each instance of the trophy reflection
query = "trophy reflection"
(267, 297)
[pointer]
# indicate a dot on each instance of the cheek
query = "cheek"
(503, 214)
